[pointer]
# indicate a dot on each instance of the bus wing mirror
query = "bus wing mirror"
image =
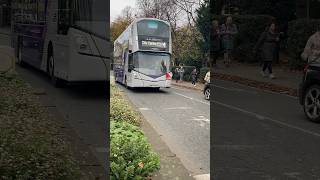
(130, 68)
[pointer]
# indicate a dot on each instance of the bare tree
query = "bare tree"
(161, 9)
(188, 7)
(128, 13)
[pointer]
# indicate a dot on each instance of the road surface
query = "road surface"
(182, 117)
(261, 135)
(83, 106)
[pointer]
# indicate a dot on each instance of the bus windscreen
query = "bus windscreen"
(91, 15)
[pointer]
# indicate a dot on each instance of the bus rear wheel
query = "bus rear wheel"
(54, 80)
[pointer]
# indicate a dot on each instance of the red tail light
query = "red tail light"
(168, 76)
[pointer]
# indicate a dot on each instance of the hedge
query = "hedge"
(250, 28)
(31, 146)
(299, 32)
(120, 109)
(131, 156)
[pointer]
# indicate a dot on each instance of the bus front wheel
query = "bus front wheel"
(54, 80)
(126, 83)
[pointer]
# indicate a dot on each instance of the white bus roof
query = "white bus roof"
(140, 19)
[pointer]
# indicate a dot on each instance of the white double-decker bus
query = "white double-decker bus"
(142, 54)
(68, 39)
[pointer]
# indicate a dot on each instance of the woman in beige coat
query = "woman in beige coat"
(312, 50)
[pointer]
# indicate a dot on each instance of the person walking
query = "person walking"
(207, 77)
(228, 32)
(176, 72)
(215, 43)
(181, 72)
(194, 76)
(312, 49)
(268, 42)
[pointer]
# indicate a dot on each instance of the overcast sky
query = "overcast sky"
(118, 5)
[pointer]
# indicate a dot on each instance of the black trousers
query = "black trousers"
(267, 65)
(213, 57)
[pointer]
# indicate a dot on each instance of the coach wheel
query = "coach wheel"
(54, 80)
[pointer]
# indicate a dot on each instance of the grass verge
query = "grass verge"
(31, 147)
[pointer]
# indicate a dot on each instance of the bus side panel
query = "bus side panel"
(90, 64)
(61, 56)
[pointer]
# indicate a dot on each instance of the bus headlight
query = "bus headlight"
(134, 74)
(82, 44)
(168, 76)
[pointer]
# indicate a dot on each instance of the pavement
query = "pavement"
(284, 76)
(181, 119)
(183, 84)
(5, 36)
(7, 58)
(83, 108)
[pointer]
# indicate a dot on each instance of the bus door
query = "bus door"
(126, 66)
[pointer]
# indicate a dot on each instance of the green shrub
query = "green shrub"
(120, 109)
(131, 155)
(250, 28)
(31, 146)
(203, 72)
(299, 32)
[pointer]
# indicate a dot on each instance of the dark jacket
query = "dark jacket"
(215, 40)
(194, 73)
(268, 44)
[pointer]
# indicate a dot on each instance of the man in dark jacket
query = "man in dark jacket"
(215, 43)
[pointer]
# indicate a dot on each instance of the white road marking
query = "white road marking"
(261, 117)
(202, 177)
(202, 120)
(192, 98)
(145, 109)
(178, 108)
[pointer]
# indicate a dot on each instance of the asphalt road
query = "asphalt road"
(83, 106)
(182, 118)
(261, 135)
